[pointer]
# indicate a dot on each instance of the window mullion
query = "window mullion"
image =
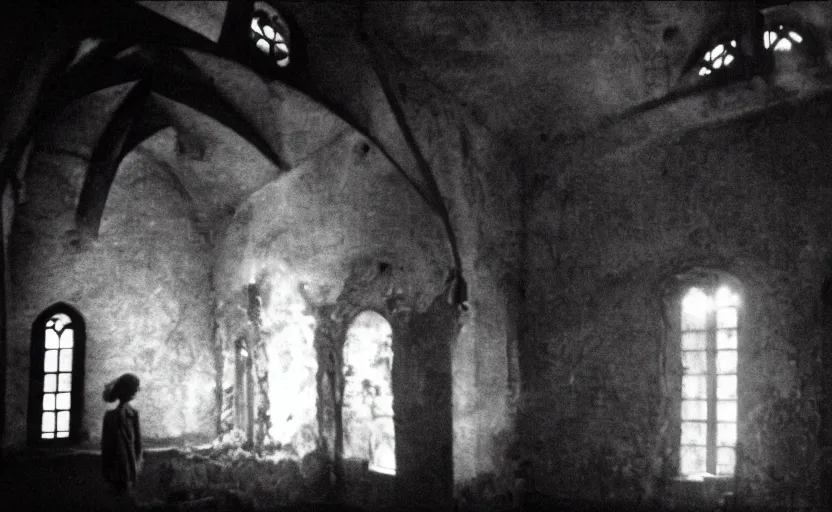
(711, 356)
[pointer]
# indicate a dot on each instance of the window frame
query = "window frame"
(371, 466)
(36, 377)
(709, 280)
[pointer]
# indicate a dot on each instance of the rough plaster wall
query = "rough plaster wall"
(563, 65)
(142, 287)
(344, 203)
(481, 191)
(750, 197)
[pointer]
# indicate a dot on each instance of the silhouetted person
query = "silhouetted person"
(121, 438)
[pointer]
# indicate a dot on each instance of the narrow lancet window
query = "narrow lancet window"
(56, 382)
(368, 395)
(709, 381)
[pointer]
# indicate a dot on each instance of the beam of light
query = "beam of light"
(288, 332)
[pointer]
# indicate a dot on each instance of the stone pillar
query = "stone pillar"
(422, 407)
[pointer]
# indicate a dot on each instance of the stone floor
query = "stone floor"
(73, 483)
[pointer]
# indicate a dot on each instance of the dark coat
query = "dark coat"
(121, 444)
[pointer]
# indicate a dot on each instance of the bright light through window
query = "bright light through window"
(266, 33)
(781, 40)
(709, 381)
(722, 55)
(369, 432)
(56, 403)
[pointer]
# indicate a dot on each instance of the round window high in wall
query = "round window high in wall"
(270, 33)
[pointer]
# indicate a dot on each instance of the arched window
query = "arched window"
(368, 396)
(270, 33)
(777, 38)
(709, 342)
(781, 39)
(56, 382)
(722, 55)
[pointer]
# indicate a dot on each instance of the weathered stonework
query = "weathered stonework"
(748, 197)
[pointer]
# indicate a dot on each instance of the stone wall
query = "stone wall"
(143, 286)
(750, 197)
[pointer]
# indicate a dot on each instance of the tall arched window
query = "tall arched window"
(56, 383)
(709, 341)
(368, 394)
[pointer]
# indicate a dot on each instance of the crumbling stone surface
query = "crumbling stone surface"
(142, 288)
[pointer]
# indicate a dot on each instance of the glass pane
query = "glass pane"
(694, 432)
(60, 321)
(726, 434)
(47, 423)
(256, 27)
(726, 386)
(63, 434)
(263, 45)
(63, 420)
(725, 461)
(62, 401)
(724, 296)
(695, 386)
(692, 460)
(726, 338)
(64, 382)
(48, 402)
(51, 340)
(694, 410)
(695, 308)
(49, 383)
(694, 320)
(47, 435)
(694, 341)
(726, 317)
(695, 362)
(50, 361)
(66, 360)
(726, 410)
(67, 338)
(726, 361)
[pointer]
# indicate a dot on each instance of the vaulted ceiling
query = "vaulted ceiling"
(528, 72)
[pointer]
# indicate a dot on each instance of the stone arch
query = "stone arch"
(367, 410)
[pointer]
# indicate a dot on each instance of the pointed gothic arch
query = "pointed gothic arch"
(56, 377)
